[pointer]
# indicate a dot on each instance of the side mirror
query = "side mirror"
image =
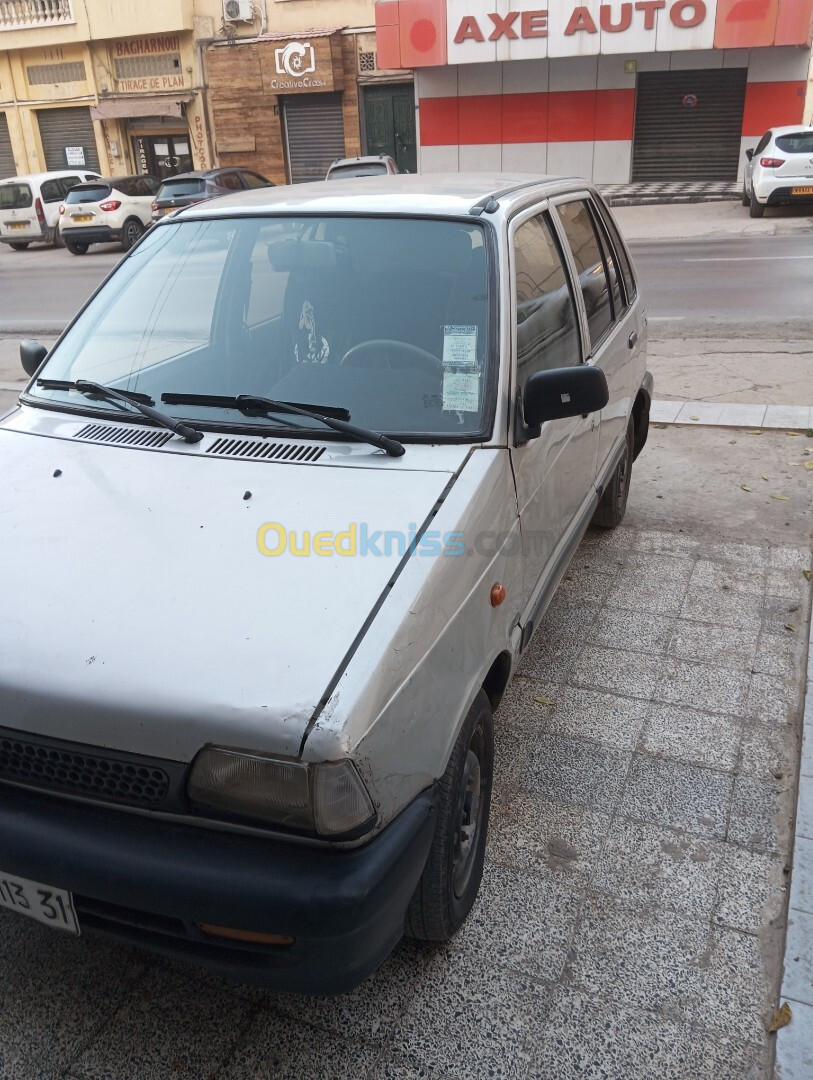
(749, 153)
(561, 392)
(32, 355)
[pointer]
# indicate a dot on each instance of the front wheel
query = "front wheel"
(757, 208)
(75, 248)
(610, 511)
(131, 233)
(454, 869)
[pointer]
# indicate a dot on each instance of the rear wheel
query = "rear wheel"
(451, 877)
(132, 232)
(19, 245)
(757, 208)
(610, 511)
(76, 249)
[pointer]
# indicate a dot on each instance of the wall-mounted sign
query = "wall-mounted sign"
(151, 46)
(75, 156)
(300, 66)
(630, 67)
(690, 101)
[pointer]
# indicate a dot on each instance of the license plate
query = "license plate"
(17, 224)
(167, 210)
(81, 217)
(48, 905)
(802, 191)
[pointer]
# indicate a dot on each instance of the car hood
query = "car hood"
(139, 613)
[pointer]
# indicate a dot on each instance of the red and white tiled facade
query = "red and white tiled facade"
(510, 85)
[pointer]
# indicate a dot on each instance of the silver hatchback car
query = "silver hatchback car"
(270, 559)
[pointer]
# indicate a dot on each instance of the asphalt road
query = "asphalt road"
(703, 285)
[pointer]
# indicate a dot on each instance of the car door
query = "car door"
(554, 473)
(614, 331)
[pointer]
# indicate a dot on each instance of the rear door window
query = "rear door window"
(252, 180)
(15, 196)
(231, 182)
(590, 267)
(547, 324)
(67, 182)
(798, 142)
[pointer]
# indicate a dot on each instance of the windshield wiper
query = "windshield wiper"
(136, 401)
(251, 403)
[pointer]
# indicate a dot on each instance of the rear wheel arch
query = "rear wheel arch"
(640, 421)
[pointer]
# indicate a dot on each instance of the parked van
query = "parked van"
(29, 206)
(280, 514)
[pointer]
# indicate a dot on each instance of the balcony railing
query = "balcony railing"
(29, 14)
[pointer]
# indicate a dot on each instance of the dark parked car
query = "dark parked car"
(191, 187)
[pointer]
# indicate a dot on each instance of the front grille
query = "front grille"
(75, 771)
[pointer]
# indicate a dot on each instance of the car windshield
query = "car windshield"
(176, 189)
(88, 193)
(386, 318)
(340, 172)
(15, 196)
(798, 142)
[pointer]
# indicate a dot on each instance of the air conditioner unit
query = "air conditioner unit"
(238, 11)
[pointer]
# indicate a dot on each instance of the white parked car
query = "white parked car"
(345, 443)
(371, 165)
(779, 169)
(29, 206)
(107, 210)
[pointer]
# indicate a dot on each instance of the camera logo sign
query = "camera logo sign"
(296, 63)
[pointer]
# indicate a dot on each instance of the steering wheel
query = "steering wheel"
(413, 354)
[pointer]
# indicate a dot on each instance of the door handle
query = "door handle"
(633, 339)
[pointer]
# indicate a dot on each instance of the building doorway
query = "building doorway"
(389, 123)
(688, 125)
(162, 155)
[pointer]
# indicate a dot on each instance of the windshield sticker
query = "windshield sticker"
(459, 346)
(461, 391)
(310, 349)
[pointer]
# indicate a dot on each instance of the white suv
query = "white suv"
(779, 169)
(103, 211)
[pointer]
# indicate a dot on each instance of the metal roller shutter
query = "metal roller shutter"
(7, 167)
(67, 127)
(314, 134)
(688, 125)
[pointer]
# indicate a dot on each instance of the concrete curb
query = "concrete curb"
(732, 415)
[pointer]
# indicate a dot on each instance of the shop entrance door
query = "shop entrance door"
(162, 155)
(389, 113)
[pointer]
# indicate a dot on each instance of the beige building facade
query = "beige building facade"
(162, 86)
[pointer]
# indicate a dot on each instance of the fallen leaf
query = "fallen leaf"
(781, 1018)
(753, 433)
(661, 427)
(808, 574)
(793, 434)
(790, 627)
(809, 464)
(780, 498)
(745, 487)
(795, 464)
(764, 477)
(694, 417)
(544, 701)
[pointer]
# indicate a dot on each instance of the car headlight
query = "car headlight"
(327, 798)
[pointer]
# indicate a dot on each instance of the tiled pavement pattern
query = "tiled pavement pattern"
(669, 192)
(631, 919)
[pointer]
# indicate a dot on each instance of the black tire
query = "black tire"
(76, 249)
(746, 198)
(57, 241)
(451, 878)
(131, 233)
(610, 511)
(20, 245)
(757, 208)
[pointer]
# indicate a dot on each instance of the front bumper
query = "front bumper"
(93, 234)
(149, 881)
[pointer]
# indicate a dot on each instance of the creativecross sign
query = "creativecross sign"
(420, 33)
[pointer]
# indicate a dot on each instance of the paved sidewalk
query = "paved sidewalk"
(632, 915)
(669, 193)
(733, 415)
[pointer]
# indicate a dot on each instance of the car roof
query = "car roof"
(367, 160)
(435, 194)
(112, 180)
(789, 129)
(200, 174)
(28, 177)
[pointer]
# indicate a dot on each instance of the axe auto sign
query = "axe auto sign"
(583, 19)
